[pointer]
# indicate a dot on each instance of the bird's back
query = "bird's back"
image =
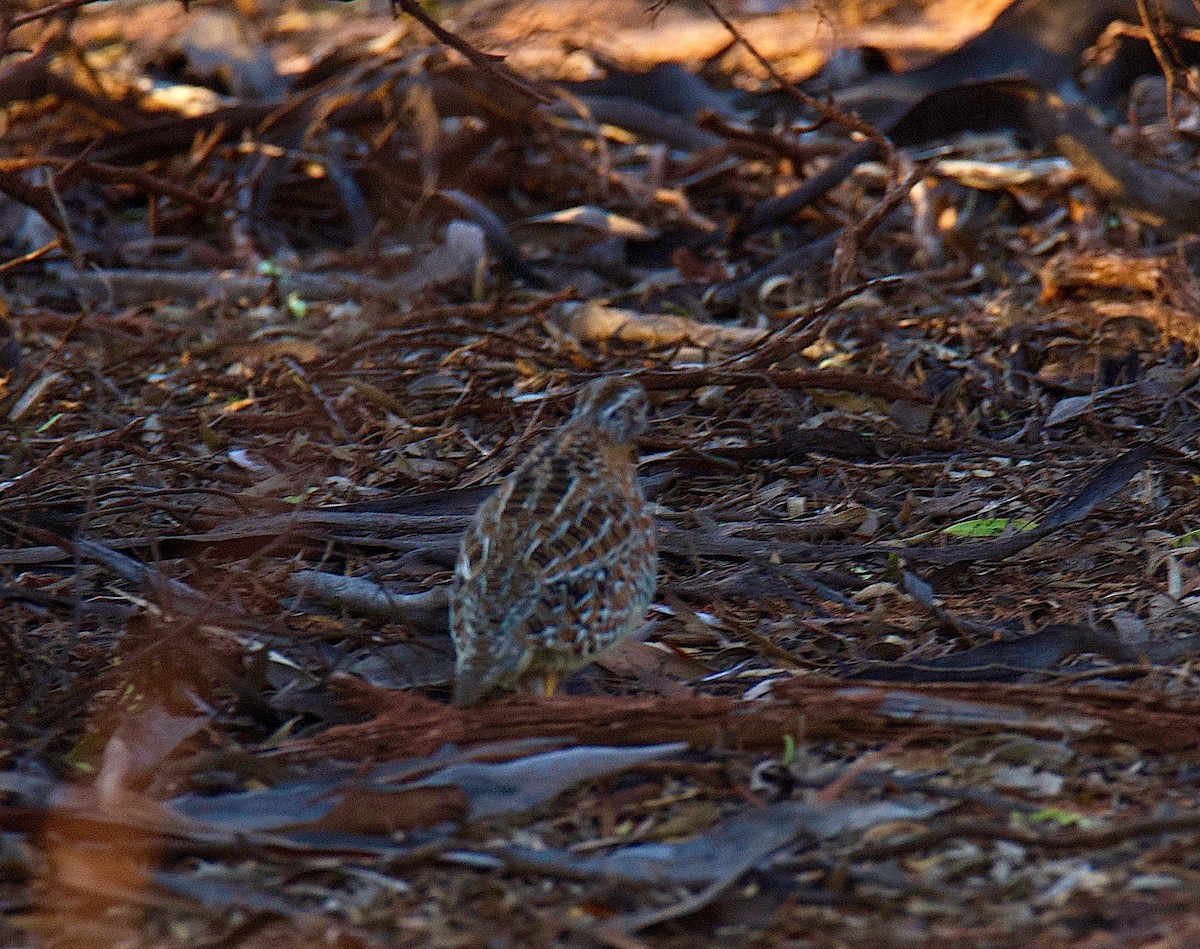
(559, 564)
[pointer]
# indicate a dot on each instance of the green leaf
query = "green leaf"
(88, 746)
(988, 527)
(296, 306)
(1183, 540)
(789, 750)
(46, 424)
(1054, 815)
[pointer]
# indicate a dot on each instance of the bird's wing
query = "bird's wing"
(595, 574)
(490, 587)
(561, 556)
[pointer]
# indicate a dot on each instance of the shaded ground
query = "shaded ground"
(920, 665)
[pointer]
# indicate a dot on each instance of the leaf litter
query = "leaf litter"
(285, 289)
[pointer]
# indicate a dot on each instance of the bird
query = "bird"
(560, 563)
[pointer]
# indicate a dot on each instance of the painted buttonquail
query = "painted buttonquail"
(561, 562)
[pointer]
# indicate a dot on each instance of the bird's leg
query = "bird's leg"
(549, 683)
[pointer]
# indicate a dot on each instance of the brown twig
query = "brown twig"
(826, 109)
(68, 169)
(47, 11)
(31, 256)
(1167, 56)
(488, 62)
(846, 252)
(1079, 840)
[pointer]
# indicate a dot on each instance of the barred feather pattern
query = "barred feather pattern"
(560, 563)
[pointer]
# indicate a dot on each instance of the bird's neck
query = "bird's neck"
(619, 456)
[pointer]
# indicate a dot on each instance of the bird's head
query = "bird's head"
(615, 405)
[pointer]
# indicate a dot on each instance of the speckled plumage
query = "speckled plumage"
(560, 563)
